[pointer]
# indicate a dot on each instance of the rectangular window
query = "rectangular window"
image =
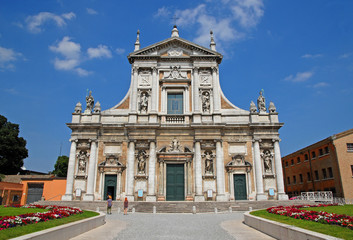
(298, 159)
(313, 155)
(316, 175)
(301, 178)
(324, 176)
(288, 180)
(308, 176)
(330, 173)
(327, 150)
(175, 103)
(286, 163)
(306, 157)
(292, 162)
(294, 179)
(352, 169)
(321, 152)
(350, 147)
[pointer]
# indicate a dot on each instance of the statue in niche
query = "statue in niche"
(143, 102)
(206, 101)
(82, 161)
(267, 158)
(174, 146)
(141, 165)
(209, 162)
(89, 103)
(261, 104)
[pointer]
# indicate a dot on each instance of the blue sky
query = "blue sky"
(51, 52)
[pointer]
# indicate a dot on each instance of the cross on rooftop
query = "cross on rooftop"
(175, 18)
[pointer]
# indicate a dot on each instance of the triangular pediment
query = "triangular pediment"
(174, 47)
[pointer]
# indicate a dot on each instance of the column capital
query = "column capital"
(152, 141)
(73, 140)
(276, 140)
(131, 140)
(135, 69)
(218, 140)
(93, 140)
(215, 69)
(154, 69)
(197, 140)
(257, 139)
(196, 69)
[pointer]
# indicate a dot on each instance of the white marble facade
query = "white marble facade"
(175, 115)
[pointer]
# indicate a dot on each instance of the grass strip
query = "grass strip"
(30, 228)
(346, 209)
(14, 211)
(332, 230)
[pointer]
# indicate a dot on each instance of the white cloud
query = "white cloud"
(312, 55)
(91, 11)
(7, 57)
(320, 84)
(120, 51)
(162, 12)
(34, 23)
(101, 51)
(247, 12)
(83, 72)
(299, 77)
(67, 48)
(346, 55)
(189, 16)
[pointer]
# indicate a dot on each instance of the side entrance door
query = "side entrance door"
(240, 187)
(175, 182)
(35, 192)
(109, 186)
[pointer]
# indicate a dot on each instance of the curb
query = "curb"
(283, 231)
(66, 231)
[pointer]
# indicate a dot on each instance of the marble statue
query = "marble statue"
(206, 101)
(267, 158)
(261, 104)
(209, 162)
(143, 102)
(141, 165)
(82, 161)
(89, 103)
(174, 146)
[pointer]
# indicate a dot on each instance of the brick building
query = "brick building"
(326, 165)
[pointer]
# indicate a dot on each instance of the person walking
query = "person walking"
(126, 205)
(109, 205)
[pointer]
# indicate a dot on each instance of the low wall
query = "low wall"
(67, 231)
(281, 230)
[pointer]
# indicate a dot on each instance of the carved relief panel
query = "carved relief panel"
(205, 78)
(145, 79)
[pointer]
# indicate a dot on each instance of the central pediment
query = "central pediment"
(174, 47)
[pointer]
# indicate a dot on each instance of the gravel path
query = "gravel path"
(174, 226)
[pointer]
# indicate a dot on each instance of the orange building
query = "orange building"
(23, 189)
(326, 165)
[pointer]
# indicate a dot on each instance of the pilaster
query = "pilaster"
(279, 172)
(258, 172)
(91, 172)
(198, 171)
(130, 171)
(151, 195)
(70, 172)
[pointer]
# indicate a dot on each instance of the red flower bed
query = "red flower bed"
(54, 212)
(321, 217)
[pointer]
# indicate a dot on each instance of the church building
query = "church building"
(175, 136)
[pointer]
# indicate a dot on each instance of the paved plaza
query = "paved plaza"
(174, 226)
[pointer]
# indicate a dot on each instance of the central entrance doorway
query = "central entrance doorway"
(240, 187)
(175, 182)
(110, 186)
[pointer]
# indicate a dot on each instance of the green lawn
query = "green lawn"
(22, 230)
(13, 211)
(332, 230)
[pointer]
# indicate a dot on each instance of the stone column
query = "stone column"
(101, 176)
(220, 173)
(161, 182)
(216, 91)
(279, 172)
(189, 176)
(70, 172)
(198, 173)
(187, 102)
(134, 90)
(164, 101)
(151, 195)
(130, 171)
(258, 172)
(118, 186)
(196, 106)
(154, 90)
(91, 172)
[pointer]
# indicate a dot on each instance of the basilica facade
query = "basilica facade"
(175, 136)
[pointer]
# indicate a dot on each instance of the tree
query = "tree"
(12, 148)
(60, 168)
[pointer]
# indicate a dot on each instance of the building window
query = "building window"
(330, 173)
(321, 152)
(301, 178)
(292, 162)
(324, 176)
(306, 157)
(298, 159)
(350, 147)
(288, 180)
(309, 176)
(327, 150)
(286, 163)
(316, 175)
(294, 179)
(175, 103)
(313, 155)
